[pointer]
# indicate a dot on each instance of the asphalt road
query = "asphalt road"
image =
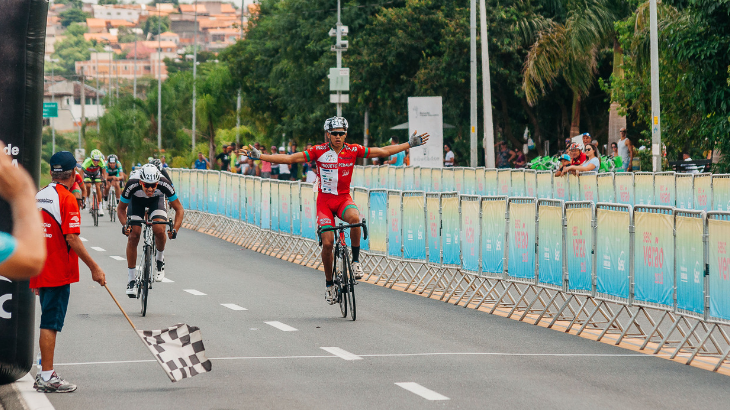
(454, 357)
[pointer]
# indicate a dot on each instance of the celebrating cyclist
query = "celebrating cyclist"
(147, 192)
(94, 172)
(114, 176)
(335, 162)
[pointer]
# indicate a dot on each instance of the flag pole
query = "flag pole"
(120, 308)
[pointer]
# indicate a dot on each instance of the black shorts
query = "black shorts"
(92, 177)
(155, 205)
(54, 303)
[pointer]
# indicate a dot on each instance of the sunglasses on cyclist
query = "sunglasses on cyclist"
(338, 133)
(148, 186)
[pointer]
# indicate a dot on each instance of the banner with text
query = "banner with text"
(425, 115)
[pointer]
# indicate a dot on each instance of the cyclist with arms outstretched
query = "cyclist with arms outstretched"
(94, 172)
(335, 164)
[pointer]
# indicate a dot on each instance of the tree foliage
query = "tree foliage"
(150, 25)
(72, 15)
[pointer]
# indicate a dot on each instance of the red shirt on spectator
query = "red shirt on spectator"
(578, 161)
(61, 217)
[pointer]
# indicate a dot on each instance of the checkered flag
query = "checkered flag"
(179, 350)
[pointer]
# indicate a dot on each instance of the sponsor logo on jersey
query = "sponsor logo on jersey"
(44, 200)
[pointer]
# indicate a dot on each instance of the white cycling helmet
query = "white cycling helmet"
(335, 122)
(149, 174)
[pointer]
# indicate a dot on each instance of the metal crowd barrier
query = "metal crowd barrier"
(646, 276)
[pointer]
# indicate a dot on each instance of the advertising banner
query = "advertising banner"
(521, 260)
(193, 204)
(433, 215)
(481, 183)
(721, 193)
(409, 178)
(391, 177)
(643, 188)
(425, 115)
(395, 239)
(360, 196)
(654, 257)
(561, 188)
(368, 177)
(222, 193)
(504, 182)
(493, 229)
(530, 183)
(211, 187)
(426, 183)
(236, 194)
(451, 223)
(588, 186)
(436, 180)
(518, 183)
(470, 233)
(414, 226)
(417, 183)
(574, 188)
(613, 248)
(309, 212)
(186, 188)
(250, 202)
(378, 223)
(400, 176)
(624, 182)
(703, 192)
(665, 191)
(275, 206)
(258, 203)
(550, 246)
(606, 190)
(448, 180)
(684, 191)
(459, 180)
(470, 181)
(690, 262)
(265, 216)
(579, 241)
(358, 175)
(285, 207)
(719, 236)
(491, 182)
(242, 210)
(383, 176)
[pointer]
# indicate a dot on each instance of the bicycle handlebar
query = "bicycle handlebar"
(340, 227)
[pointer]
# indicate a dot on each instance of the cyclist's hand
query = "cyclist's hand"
(418, 140)
(172, 234)
(98, 276)
(253, 153)
(126, 230)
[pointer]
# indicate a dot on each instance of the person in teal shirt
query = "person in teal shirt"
(398, 159)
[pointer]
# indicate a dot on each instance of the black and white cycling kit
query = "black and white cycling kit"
(133, 194)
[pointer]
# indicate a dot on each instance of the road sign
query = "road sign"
(50, 110)
(341, 98)
(339, 79)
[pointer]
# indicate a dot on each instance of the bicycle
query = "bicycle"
(112, 202)
(94, 206)
(144, 275)
(344, 278)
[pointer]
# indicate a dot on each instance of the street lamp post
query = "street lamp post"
(53, 100)
(489, 160)
(159, 81)
(656, 126)
(96, 76)
(195, 68)
(473, 31)
(134, 92)
(238, 100)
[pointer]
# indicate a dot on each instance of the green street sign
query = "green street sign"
(339, 79)
(50, 110)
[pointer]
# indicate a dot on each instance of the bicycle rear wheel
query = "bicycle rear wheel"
(146, 277)
(349, 284)
(94, 207)
(112, 204)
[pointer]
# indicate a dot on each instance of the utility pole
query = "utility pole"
(473, 31)
(238, 100)
(96, 54)
(195, 68)
(339, 57)
(53, 100)
(489, 160)
(109, 76)
(82, 130)
(339, 77)
(159, 81)
(134, 92)
(656, 126)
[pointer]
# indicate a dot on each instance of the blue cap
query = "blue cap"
(62, 161)
(565, 157)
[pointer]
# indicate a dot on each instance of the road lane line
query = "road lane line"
(165, 280)
(233, 306)
(83, 239)
(98, 249)
(194, 292)
(33, 399)
(118, 258)
(344, 354)
(281, 326)
(422, 391)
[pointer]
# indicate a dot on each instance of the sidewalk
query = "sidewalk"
(21, 396)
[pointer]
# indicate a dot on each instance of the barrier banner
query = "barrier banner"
(399, 176)
(702, 192)
(521, 260)
(613, 248)
(368, 178)
(211, 187)
(395, 239)
(258, 203)
(358, 177)
(285, 207)
(378, 223)
(241, 181)
(721, 192)
(222, 193)
(265, 216)
(664, 189)
(470, 233)
(458, 179)
(654, 256)
(470, 181)
(409, 178)
(447, 180)
(493, 229)
(414, 229)
(561, 188)
(383, 176)
(309, 211)
(574, 187)
(450, 223)
(390, 171)
(579, 241)
(690, 261)
(550, 243)
(544, 183)
(491, 182)
(274, 206)
(480, 187)
(588, 186)
(417, 184)
(718, 229)
(606, 190)
(531, 183)
(187, 189)
(433, 215)
(426, 182)
(360, 196)
(436, 180)
(518, 182)
(684, 191)
(236, 192)
(202, 195)
(643, 188)
(193, 204)
(624, 182)
(296, 215)
(250, 202)
(504, 182)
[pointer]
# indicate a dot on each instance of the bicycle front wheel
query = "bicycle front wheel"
(349, 284)
(94, 208)
(146, 277)
(339, 285)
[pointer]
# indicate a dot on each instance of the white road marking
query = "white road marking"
(165, 280)
(83, 239)
(344, 354)
(281, 326)
(422, 391)
(118, 258)
(98, 249)
(33, 399)
(195, 292)
(233, 306)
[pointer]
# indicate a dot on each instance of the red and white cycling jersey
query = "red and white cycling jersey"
(335, 171)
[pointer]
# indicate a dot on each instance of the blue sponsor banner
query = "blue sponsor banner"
(211, 190)
(493, 230)
(265, 214)
(470, 233)
(284, 207)
(360, 196)
(250, 203)
(702, 192)
(624, 183)
(450, 230)
(530, 183)
(643, 188)
(612, 250)
(274, 206)
(236, 183)
(257, 187)
(654, 256)
(690, 261)
(409, 178)
(504, 182)
(588, 186)
(378, 222)
(561, 188)
(550, 246)
(573, 188)
(721, 192)
(433, 231)
(309, 212)
(222, 193)
(395, 233)
(414, 226)
(296, 216)
(193, 204)
(718, 229)
(521, 238)
(665, 189)
(579, 241)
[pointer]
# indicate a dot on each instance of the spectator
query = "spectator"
(284, 170)
(503, 155)
(407, 161)
(60, 214)
(293, 168)
(258, 147)
(241, 162)
(564, 163)
(224, 159)
(567, 146)
(266, 168)
(250, 168)
(398, 159)
(625, 151)
(376, 161)
(23, 252)
(274, 167)
(163, 162)
(201, 162)
(449, 159)
(587, 140)
(689, 168)
(577, 156)
(592, 162)
(614, 149)
(517, 158)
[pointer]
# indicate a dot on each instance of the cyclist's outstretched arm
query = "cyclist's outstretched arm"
(414, 141)
(295, 158)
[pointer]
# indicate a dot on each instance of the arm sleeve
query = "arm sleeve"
(168, 190)
(311, 154)
(362, 152)
(126, 196)
(7, 246)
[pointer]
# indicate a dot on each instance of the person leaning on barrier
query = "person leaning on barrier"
(592, 162)
(564, 163)
(23, 252)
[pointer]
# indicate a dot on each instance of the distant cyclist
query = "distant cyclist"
(148, 191)
(158, 163)
(114, 176)
(335, 164)
(94, 172)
